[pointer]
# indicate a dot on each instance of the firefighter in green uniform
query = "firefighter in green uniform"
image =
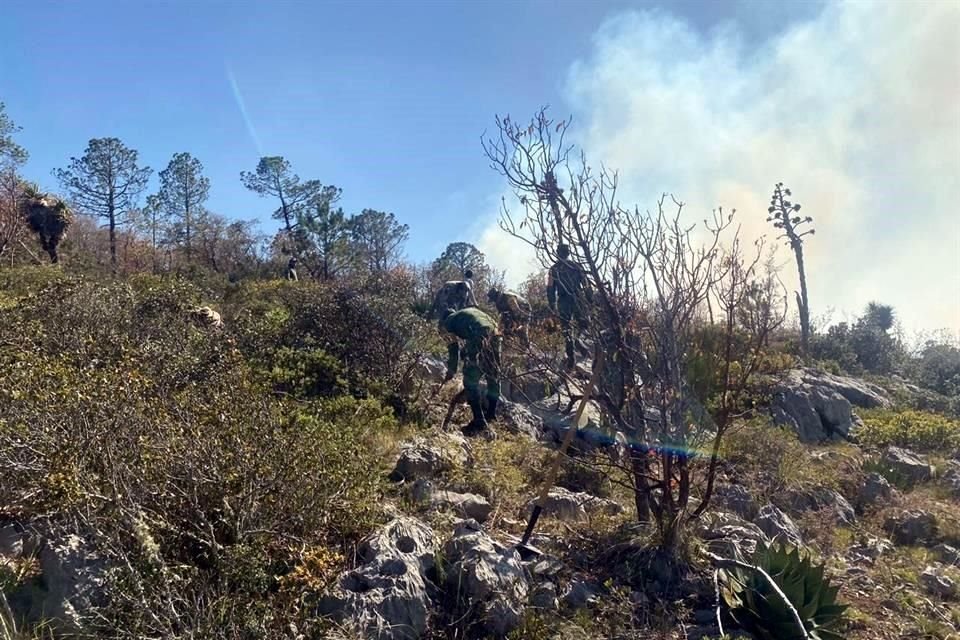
(455, 295)
(481, 359)
(514, 313)
(568, 296)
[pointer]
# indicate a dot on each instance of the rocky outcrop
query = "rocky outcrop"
(875, 489)
(867, 550)
(544, 596)
(517, 419)
(736, 499)
(423, 458)
(466, 505)
(557, 413)
(430, 369)
(69, 584)
(951, 477)
(388, 596)
(572, 505)
(730, 536)
(778, 526)
(935, 581)
(947, 554)
(912, 527)
(581, 593)
(822, 499)
(487, 580)
(818, 406)
(906, 464)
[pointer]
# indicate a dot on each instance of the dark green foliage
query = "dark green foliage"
(105, 182)
(864, 346)
(127, 421)
(377, 239)
(320, 339)
(183, 190)
(938, 367)
(757, 608)
(10, 151)
(275, 177)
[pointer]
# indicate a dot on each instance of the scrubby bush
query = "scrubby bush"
(919, 430)
(937, 367)
(858, 348)
(371, 331)
(148, 433)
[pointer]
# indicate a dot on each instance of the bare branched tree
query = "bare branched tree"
(673, 382)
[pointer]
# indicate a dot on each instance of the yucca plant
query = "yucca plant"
(756, 606)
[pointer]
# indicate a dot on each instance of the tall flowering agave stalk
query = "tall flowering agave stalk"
(762, 609)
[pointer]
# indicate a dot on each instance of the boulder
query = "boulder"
(517, 419)
(799, 501)
(736, 499)
(730, 536)
(557, 414)
(423, 458)
(527, 389)
(951, 477)
(907, 464)
(818, 406)
(935, 581)
(487, 579)
(912, 527)
(430, 369)
(572, 505)
(581, 593)
(947, 554)
(11, 541)
(72, 580)
(545, 567)
(868, 550)
(387, 596)
(778, 526)
(466, 505)
(875, 488)
(858, 392)
(544, 596)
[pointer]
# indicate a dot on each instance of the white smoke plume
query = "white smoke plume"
(857, 110)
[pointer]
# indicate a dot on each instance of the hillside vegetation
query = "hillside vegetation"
(202, 438)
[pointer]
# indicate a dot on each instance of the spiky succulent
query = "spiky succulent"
(757, 608)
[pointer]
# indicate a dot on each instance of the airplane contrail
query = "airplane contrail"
(238, 97)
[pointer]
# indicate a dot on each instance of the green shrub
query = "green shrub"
(151, 435)
(757, 608)
(919, 430)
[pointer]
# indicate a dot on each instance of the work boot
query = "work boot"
(478, 424)
(490, 413)
(571, 360)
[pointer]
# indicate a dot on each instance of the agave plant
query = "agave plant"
(757, 607)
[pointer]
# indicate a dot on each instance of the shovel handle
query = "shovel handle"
(567, 439)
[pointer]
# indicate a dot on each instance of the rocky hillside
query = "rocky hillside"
(163, 476)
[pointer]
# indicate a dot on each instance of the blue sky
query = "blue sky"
(384, 99)
(853, 104)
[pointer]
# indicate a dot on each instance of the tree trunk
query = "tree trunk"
(111, 214)
(804, 302)
(186, 224)
(641, 489)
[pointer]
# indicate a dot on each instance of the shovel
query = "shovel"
(525, 549)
